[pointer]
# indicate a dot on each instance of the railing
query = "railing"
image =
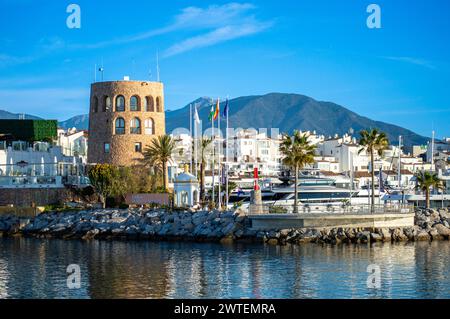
(331, 209)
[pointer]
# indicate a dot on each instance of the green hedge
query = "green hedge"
(30, 130)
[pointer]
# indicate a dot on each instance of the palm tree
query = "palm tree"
(205, 143)
(373, 141)
(159, 153)
(426, 181)
(297, 152)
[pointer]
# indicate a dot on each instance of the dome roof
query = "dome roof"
(186, 178)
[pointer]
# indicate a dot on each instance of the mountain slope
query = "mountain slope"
(286, 112)
(5, 115)
(289, 112)
(80, 122)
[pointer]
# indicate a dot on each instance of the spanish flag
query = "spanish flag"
(217, 112)
(214, 113)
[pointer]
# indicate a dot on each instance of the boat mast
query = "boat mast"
(399, 166)
(432, 151)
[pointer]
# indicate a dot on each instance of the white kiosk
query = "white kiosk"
(186, 189)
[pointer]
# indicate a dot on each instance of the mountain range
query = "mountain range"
(286, 112)
(289, 112)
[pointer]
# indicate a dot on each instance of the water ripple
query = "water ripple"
(31, 268)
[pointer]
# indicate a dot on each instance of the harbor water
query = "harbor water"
(34, 268)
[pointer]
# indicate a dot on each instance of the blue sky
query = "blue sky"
(398, 74)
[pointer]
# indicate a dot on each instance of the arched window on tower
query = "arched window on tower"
(149, 126)
(107, 104)
(120, 103)
(134, 103)
(120, 126)
(149, 104)
(158, 104)
(95, 104)
(135, 126)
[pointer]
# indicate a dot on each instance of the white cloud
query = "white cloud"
(222, 23)
(216, 36)
(411, 60)
(189, 18)
(218, 23)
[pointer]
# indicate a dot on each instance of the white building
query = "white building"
(248, 150)
(73, 142)
(38, 164)
(441, 150)
(242, 153)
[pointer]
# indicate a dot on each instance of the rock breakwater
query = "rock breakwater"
(211, 226)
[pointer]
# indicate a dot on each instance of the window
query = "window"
(120, 104)
(19, 146)
(184, 198)
(107, 104)
(120, 126)
(135, 126)
(138, 147)
(106, 148)
(149, 104)
(134, 103)
(95, 104)
(158, 104)
(149, 127)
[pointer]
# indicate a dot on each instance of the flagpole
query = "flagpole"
(220, 147)
(226, 153)
(190, 135)
(213, 162)
(195, 141)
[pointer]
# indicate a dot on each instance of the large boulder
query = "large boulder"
(385, 233)
(199, 218)
(363, 237)
(310, 235)
(442, 230)
(398, 235)
(350, 233)
(375, 237)
(91, 234)
(444, 214)
(422, 235)
(435, 217)
(410, 232)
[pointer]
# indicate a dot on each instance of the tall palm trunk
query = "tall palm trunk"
(164, 173)
(296, 191)
(372, 203)
(427, 197)
(202, 181)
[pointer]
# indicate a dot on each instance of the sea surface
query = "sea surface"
(33, 268)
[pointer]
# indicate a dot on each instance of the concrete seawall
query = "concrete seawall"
(226, 227)
(283, 221)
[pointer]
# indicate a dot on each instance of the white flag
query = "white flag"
(196, 118)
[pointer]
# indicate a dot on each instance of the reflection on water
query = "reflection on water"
(31, 268)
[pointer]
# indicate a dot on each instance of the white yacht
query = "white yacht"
(437, 200)
(312, 191)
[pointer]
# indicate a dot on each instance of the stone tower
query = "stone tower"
(124, 117)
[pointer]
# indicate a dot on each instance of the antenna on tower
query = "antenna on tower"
(157, 66)
(95, 73)
(102, 69)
